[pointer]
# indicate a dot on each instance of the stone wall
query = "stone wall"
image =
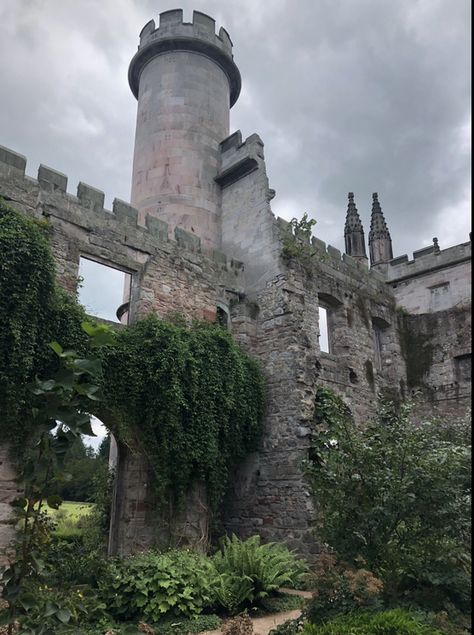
(435, 280)
(280, 327)
(167, 275)
(439, 360)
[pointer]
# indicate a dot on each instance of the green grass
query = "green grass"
(68, 516)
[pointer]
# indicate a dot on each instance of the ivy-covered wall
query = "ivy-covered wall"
(185, 402)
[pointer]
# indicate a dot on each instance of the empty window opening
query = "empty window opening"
(222, 317)
(324, 330)
(103, 289)
(463, 368)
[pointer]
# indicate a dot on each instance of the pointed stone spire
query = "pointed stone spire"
(354, 232)
(380, 242)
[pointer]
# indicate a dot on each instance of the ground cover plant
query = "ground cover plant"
(394, 622)
(206, 416)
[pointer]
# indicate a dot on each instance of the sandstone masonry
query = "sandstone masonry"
(201, 240)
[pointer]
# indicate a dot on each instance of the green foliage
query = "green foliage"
(297, 243)
(398, 495)
(290, 627)
(154, 585)
(340, 589)
(394, 622)
(83, 466)
(64, 399)
(72, 562)
(190, 398)
(32, 312)
(251, 571)
(188, 626)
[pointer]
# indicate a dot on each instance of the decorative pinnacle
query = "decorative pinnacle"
(378, 226)
(353, 222)
(354, 231)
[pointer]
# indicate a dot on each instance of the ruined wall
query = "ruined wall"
(437, 348)
(167, 276)
(279, 325)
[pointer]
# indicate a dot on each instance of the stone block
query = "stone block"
(124, 212)
(318, 244)
(13, 160)
(187, 240)
(51, 180)
(90, 197)
(334, 253)
(157, 227)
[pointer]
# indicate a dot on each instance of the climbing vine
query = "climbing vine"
(187, 398)
(33, 312)
(190, 396)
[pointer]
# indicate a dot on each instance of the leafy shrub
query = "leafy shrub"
(153, 585)
(339, 589)
(71, 562)
(188, 626)
(398, 494)
(261, 569)
(280, 603)
(395, 622)
(290, 627)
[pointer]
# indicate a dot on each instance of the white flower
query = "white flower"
(333, 443)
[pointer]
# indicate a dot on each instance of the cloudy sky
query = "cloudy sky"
(348, 95)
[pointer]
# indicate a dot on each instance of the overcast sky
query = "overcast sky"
(347, 95)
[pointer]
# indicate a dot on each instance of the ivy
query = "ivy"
(187, 398)
(190, 396)
(33, 312)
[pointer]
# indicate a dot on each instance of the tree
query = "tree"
(396, 495)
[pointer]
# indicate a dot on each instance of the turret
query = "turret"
(354, 233)
(185, 80)
(380, 242)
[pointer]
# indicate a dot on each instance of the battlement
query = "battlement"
(173, 34)
(327, 255)
(87, 210)
(239, 158)
(428, 259)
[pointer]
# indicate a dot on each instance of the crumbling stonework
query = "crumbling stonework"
(203, 240)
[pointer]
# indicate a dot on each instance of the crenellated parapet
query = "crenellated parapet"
(47, 195)
(172, 34)
(328, 257)
(239, 158)
(426, 260)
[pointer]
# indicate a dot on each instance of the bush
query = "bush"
(398, 494)
(188, 626)
(395, 622)
(71, 562)
(251, 571)
(290, 627)
(340, 589)
(154, 585)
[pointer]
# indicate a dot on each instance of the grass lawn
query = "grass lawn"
(68, 516)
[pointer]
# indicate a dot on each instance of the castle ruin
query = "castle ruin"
(200, 238)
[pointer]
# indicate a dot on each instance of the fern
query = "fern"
(268, 566)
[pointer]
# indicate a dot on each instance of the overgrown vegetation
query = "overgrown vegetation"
(187, 398)
(394, 622)
(190, 396)
(394, 499)
(297, 245)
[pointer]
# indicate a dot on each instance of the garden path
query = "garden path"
(263, 625)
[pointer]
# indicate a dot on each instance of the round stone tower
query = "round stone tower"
(186, 81)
